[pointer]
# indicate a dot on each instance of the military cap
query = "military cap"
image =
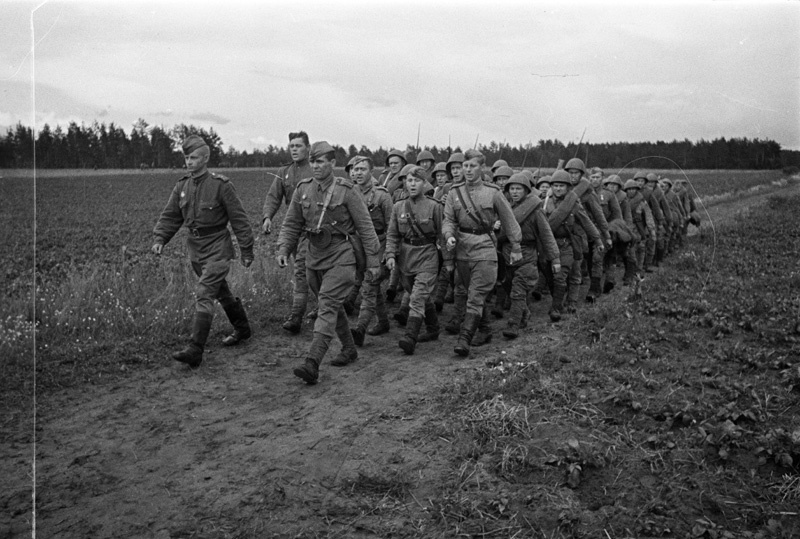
(631, 184)
(544, 179)
(361, 158)
(406, 170)
(504, 170)
(350, 164)
(561, 176)
(425, 155)
(518, 179)
(616, 180)
(319, 149)
(652, 177)
(396, 153)
(576, 164)
(640, 174)
(499, 163)
(192, 143)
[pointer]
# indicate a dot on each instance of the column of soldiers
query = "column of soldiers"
(489, 241)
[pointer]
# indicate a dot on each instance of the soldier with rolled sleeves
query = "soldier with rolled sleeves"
(538, 244)
(379, 205)
(331, 211)
(471, 210)
(205, 203)
(281, 191)
(411, 245)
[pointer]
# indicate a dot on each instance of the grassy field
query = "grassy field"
(673, 414)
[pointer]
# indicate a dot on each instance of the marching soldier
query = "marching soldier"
(205, 203)
(644, 224)
(622, 235)
(379, 205)
(616, 231)
(651, 246)
(395, 161)
(411, 245)
(281, 191)
(666, 224)
(335, 217)
(471, 210)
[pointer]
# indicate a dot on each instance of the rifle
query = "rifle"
(525, 157)
(579, 143)
(476, 141)
(539, 170)
(419, 126)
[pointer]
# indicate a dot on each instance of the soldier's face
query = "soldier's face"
(543, 187)
(298, 149)
(427, 164)
(631, 192)
(596, 179)
(321, 167)
(395, 164)
(575, 175)
(413, 186)
(640, 181)
(472, 170)
(517, 192)
(361, 173)
(455, 171)
(559, 190)
(441, 178)
(197, 160)
(613, 187)
(501, 181)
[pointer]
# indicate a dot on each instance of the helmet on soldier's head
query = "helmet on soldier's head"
(518, 179)
(561, 176)
(440, 167)
(499, 163)
(577, 164)
(640, 174)
(454, 158)
(504, 170)
(632, 184)
(667, 181)
(652, 177)
(530, 175)
(425, 155)
(396, 153)
(544, 179)
(615, 180)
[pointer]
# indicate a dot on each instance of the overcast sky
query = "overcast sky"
(371, 73)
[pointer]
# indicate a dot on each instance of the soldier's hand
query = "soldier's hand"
(556, 267)
(497, 225)
(390, 264)
(246, 262)
(601, 248)
(156, 248)
(282, 261)
(451, 243)
(450, 267)
(266, 227)
(373, 274)
(513, 258)
(609, 242)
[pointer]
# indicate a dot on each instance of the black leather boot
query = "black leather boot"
(192, 355)
(238, 318)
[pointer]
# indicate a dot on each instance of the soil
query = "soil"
(240, 447)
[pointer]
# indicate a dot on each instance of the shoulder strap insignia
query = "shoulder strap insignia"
(220, 177)
(347, 182)
(304, 180)
(492, 185)
(380, 188)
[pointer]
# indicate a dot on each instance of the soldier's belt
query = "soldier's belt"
(322, 239)
(474, 231)
(207, 231)
(419, 241)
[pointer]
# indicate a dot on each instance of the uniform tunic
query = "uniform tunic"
(412, 241)
(379, 205)
(476, 252)
(330, 269)
(206, 204)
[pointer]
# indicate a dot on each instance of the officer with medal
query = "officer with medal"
(335, 217)
(281, 191)
(205, 203)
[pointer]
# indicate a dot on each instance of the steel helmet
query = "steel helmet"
(499, 163)
(518, 179)
(561, 176)
(544, 179)
(632, 184)
(652, 177)
(454, 158)
(667, 181)
(425, 155)
(614, 179)
(440, 167)
(396, 153)
(406, 170)
(504, 170)
(576, 164)
(640, 174)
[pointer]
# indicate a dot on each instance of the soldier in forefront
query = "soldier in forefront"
(335, 217)
(472, 208)
(205, 203)
(281, 191)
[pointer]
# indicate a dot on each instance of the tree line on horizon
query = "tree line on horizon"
(101, 146)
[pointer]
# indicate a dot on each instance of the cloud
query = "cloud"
(210, 117)
(261, 140)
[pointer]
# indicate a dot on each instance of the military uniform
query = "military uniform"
(617, 232)
(332, 212)
(379, 205)
(413, 235)
(280, 192)
(205, 204)
(538, 243)
(470, 222)
(644, 228)
(594, 261)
